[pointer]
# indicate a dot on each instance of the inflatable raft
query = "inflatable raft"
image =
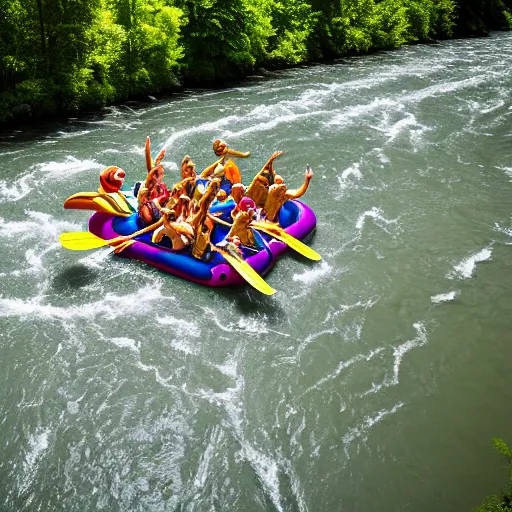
(125, 220)
(295, 217)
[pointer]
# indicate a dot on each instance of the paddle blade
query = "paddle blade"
(280, 234)
(246, 271)
(232, 172)
(81, 241)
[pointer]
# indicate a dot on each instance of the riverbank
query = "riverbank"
(60, 61)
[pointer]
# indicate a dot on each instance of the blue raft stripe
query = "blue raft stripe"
(184, 261)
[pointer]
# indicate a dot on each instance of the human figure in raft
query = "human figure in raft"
(153, 191)
(241, 229)
(195, 230)
(258, 189)
(278, 194)
(227, 169)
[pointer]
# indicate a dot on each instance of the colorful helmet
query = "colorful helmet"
(112, 178)
(246, 203)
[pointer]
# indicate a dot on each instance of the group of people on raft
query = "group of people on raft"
(183, 214)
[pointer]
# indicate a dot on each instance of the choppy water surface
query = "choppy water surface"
(373, 381)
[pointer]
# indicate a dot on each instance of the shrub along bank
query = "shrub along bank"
(72, 55)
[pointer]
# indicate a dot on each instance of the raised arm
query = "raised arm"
(209, 170)
(295, 194)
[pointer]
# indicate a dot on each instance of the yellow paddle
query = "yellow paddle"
(246, 271)
(84, 241)
(280, 234)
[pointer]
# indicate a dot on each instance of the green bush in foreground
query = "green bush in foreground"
(500, 502)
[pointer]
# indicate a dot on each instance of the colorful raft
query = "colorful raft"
(295, 217)
(121, 222)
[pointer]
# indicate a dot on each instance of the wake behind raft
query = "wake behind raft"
(209, 229)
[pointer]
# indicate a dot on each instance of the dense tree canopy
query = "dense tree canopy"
(59, 57)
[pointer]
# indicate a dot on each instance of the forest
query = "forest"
(63, 56)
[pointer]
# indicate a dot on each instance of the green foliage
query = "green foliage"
(216, 39)
(67, 55)
(503, 501)
(149, 48)
(508, 18)
(293, 22)
(351, 29)
(502, 447)
(392, 26)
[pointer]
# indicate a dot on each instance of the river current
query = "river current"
(372, 381)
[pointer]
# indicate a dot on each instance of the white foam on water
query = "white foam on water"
(376, 214)
(70, 166)
(206, 457)
(506, 231)
(265, 467)
(184, 346)
(267, 470)
(97, 258)
(34, 258)
(355, 171)
(180, 331)
(4, 153)
(244, 324)
(349, 114)
(110, 307)
(213, 126)
(393, 131)
(311, 338)
(37, 446)
(70, 135)
(123, 342)
(383, 159)
(183, 327)
(465, 269)
(342, 365)
(273, 123)
(14, 191)
(487, 106)
(342, 308)
(443, 297)
(39, 225)
(398, 352)
(507, 170)
(447, 87)
(136, 150)
(229, 367)
(368, 423)
(314, 275)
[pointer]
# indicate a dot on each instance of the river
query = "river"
(372, 381)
